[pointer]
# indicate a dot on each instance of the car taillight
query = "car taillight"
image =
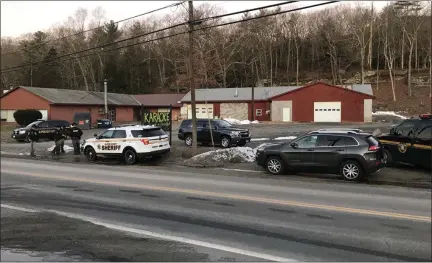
(145, 141)
(374, 148)
(425, 116)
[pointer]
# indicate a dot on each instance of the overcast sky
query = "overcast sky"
(20, 17)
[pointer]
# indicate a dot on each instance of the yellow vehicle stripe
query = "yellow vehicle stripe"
(420, 146)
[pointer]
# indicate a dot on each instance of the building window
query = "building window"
(258, 112)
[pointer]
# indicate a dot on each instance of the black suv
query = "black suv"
(348, 153)
(46, 129)
(409, 142)
(223, 133)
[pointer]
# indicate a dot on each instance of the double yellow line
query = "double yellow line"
(230, 196)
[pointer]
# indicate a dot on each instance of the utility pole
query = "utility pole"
(31, 69)
(191, 78)
(253, 102)
(105, 97)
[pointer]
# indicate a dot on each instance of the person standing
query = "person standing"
(63, 138)
(75, 133)
(58, 139)
(33, 136)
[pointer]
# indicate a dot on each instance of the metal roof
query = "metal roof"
(363, 88)
(238, 94)
(67, 96)
(261, 93)
(157, 100)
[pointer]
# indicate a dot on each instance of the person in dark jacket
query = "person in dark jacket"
(59, 140)
(75, 133)
(64, 133)
(33, 136)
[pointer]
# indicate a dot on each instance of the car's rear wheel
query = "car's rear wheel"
(188, 140)
(351, 171)
(130, 156)
(387, 157)
(274, 165)
(225, 142)
(90, 154)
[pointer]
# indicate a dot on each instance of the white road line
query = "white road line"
(241, 170)
(285, 138)
(19, 208)
(260, 139)
(173, 238)
(157, 235)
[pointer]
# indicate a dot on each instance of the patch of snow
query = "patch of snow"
(238, 122)
(255, 121)
(66, 148)
(285, 138)
(243, 154)
(389, 113)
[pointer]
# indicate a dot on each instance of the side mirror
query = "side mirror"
(392, 131)
(294, 145)
(95, 135)
(214, 127)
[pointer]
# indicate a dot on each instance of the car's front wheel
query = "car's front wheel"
(225, 142)
(351, 171)
(130, 156)
(90, 154)
(274, 165)
(188, 140)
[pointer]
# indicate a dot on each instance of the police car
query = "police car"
(128, 143)
(409, 142)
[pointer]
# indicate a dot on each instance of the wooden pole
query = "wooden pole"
(191, 78)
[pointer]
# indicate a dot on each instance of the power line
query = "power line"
(15, 68)
(96, 28)
(149, 33)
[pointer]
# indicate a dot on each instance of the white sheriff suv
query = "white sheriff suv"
(128, 143)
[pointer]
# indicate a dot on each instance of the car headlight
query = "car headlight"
(260, 149)
(235, 133)
(22, 132)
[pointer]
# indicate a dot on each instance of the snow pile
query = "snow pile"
(66, 148)
(245, 154)
(388, 113)
(238, 122)
(220, 157)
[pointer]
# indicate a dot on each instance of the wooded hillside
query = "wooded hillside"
(342, 43)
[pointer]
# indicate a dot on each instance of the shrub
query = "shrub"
(25, 117)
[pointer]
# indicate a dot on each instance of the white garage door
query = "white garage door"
(203, 111)
(44, 114)
(327, 111)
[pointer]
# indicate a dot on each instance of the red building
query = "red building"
(317, 102)
(61, 104)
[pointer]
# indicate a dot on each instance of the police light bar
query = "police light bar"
(425, 116)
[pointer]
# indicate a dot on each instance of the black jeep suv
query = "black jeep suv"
(409, 142)
(222, 131)
(348, 153)
(46, 129)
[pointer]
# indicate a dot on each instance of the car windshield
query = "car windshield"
(33, 123)
(222, 124)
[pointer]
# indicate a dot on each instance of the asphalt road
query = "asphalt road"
(244, 219)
